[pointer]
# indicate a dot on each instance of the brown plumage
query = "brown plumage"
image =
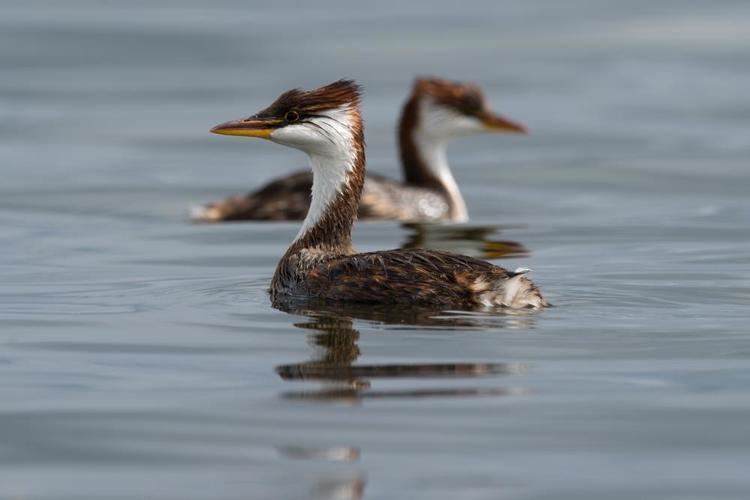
(322, 264)
(423, 196)
(408, 276)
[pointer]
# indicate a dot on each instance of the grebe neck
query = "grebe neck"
(424, 160)
(338, 177)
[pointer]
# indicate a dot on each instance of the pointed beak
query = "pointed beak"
(498, 123)
(248, 127)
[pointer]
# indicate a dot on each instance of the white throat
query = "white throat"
(330, 175)
(329, 142)
(432, 150)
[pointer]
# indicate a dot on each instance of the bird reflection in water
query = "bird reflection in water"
(465, 239)
(337, 349)
(338, 488)
(336, 343)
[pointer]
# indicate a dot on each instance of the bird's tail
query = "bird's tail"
(521, 293)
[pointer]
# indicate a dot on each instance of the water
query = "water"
(140, 355)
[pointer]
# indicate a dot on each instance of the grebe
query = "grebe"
(436, 112)
(321, 263)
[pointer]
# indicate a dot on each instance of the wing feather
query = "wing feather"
(403, 276)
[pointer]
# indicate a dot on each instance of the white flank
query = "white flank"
(202, 213)
(512, 287)
(329, 143)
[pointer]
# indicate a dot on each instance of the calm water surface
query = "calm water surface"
(141, 357)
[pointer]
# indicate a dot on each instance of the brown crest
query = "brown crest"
(465, 97)
(342, 93)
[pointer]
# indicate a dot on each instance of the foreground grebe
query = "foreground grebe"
(326, 124)
(437, 111)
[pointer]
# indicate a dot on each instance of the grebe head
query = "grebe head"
(437, 112)
(326, 124)
(450, 109)
(322, 122)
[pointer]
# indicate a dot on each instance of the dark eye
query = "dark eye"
(291, 116)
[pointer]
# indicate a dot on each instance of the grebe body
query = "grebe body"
(321, 262)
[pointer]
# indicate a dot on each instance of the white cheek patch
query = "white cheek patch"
(329, 133)
(335, 127)
(297, 136)
(446, 123)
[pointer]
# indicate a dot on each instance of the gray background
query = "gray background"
(138, 350)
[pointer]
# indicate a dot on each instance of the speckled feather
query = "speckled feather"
(409, 276)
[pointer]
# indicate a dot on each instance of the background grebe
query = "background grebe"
(436, 112)
(321, 263)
